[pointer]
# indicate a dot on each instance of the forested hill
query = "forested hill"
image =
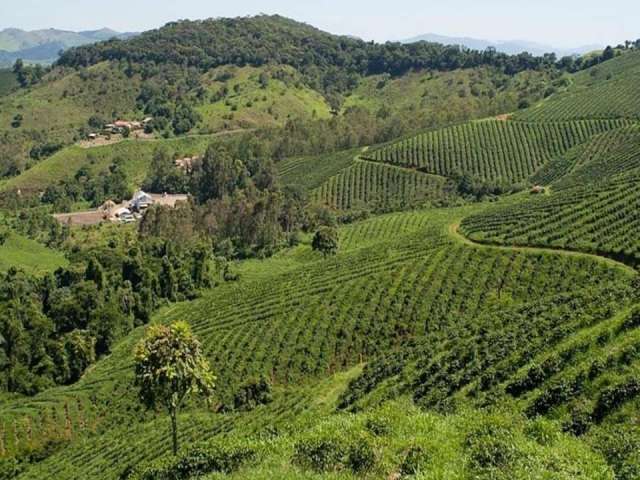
(274, 39)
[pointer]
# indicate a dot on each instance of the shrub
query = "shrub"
(224, 457)
(320, 454)
(414, 461)
(614, 396)
(491, 445)
(335, 451)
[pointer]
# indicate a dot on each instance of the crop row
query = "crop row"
(493, 150)
(379, 187)
(618, 97)
(595, 218)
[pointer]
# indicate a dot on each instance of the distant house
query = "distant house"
(537, 190)
(92, 136)
(141, 201)
(186, 163)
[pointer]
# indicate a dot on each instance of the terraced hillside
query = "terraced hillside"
(609, 90)
(312, 171)
(594, 208)
(381, 187)
(387, 291)
(492, 150)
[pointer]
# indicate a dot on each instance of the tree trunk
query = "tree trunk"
(174, 430)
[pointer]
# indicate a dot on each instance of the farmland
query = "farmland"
(380, 188)
(399, 261)
(606, 91)
(320, 326)
(492, 150)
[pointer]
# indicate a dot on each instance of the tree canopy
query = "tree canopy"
(169, 367)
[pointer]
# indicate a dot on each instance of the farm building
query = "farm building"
(141, 201)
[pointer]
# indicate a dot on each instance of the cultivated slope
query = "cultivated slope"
(387, 291)
(492, 150)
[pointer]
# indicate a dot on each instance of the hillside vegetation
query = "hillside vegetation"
(377, 287)
(609, 90)
(369, 185)
(8, 82)
(306, 325)
(491, 150)
(23, 253)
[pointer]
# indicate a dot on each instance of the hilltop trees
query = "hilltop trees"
(169, 367)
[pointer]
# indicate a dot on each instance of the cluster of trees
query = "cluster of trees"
(53, 328)
(165, 100)
(28, 75)
(236, 202)
(575, 63)
(329, 63)
(96, 189)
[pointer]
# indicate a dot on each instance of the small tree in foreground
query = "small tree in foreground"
(170, 366)
(326, 241)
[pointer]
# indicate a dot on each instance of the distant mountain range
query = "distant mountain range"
(510, 47)
(43, 46)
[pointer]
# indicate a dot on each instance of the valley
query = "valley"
(478, 316)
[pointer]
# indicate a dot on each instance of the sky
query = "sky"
(561, 23)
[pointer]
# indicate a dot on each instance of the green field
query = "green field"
(312, 171)
(23, 253)
(399, 277)
(378, 187)
(592, 208)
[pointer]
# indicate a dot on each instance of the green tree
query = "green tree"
(220, 174)
(326, 241)
(169, 367)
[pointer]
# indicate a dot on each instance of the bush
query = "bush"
(491, 446)
(415, 461)
(320, 454)
(326, 452)
(223, 457)
(614, 396)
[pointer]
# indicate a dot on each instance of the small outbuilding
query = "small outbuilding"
(537, 190)
(141, 201)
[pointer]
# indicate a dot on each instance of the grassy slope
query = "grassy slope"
(65, 102)
(447, 97)
(20, 252)
(137, 155)
(249, 104)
